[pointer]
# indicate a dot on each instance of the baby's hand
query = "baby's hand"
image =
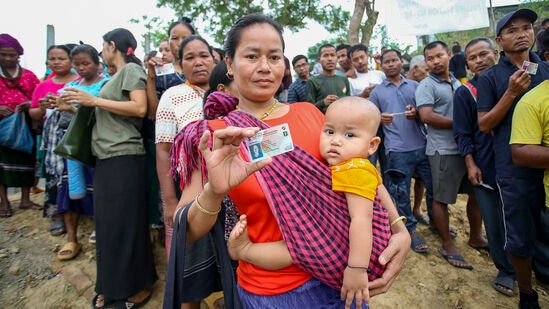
(239, 241)
(355, 285)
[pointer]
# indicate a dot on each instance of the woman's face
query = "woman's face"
(258, 64)
(8, 57)
(85, 66)
(178, 33)
(166, 52)
(197, 63)
(59, 61)
(107, 53)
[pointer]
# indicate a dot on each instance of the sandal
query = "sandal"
(57, 228)
(71, 250)
(31, 205)
(125, 304)
(453, 231)
(419, 245)
(6, 212)
(423, 218)
(91, 239)
(504, 285)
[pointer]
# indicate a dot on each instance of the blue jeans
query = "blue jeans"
(401, 166)
(491, 210)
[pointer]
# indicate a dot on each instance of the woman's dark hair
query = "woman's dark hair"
(185, 21)
(218, 76)
(125, 42)
(86, 49)
(63, 47)
(189, 39)
(220, 51)
(234, 35)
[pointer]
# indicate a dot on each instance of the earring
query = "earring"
(229, 76)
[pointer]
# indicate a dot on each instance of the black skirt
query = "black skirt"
(125, 262)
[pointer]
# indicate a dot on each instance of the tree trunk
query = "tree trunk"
(356, 21)
(368, 27)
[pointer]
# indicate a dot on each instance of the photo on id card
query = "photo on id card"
(270, 142)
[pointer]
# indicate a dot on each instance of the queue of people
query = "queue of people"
(170, 142)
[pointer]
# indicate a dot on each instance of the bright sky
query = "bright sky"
(77, 20)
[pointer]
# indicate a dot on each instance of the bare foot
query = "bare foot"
(239, 241)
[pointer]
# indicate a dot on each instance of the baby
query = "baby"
(347, 139)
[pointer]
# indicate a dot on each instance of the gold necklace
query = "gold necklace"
(266, 114)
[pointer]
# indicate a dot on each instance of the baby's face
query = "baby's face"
(347, 133)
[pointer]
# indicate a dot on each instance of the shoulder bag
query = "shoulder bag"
(76, 143)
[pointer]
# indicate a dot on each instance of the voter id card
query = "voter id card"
(530, 67)
(270, 142)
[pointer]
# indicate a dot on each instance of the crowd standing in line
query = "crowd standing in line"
(521, 188)
(436, 127)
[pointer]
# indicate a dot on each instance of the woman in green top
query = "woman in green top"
(125, 264)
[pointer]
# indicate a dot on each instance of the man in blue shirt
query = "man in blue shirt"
(476, 148)
(521, 188)
(297, 92)
(404, 140)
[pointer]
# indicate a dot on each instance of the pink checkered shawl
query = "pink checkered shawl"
(313, 219)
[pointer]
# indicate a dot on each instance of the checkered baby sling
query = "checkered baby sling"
(313, 219)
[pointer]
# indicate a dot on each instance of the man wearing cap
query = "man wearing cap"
(521, 189)
(476, 148)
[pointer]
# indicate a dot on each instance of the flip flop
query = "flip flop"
(72, 248)
(416, 242)
(57, 228)
(504, 285)
(480, 247)
(423, 218)
(6, 212)
(125, 304)
(453, 231)
(31, 205)
(455, 259)
(92, 238)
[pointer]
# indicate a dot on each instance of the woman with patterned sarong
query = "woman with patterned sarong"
(278, 195)
(16, 87)
(59, 61)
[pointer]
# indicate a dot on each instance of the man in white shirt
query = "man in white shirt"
(365, 80)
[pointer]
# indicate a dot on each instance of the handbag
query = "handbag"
(76, 143)
(15, 133)
(177, 287)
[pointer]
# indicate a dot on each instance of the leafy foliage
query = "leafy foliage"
(157, 30)
(219, 16)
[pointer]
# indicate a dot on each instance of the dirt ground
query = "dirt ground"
(31, 276)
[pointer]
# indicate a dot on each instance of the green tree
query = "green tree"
(219, 16)
(157, 31)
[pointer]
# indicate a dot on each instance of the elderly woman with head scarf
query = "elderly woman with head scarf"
(16, 87)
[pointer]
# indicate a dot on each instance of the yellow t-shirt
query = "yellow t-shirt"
(357, 176)
(531, 123)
